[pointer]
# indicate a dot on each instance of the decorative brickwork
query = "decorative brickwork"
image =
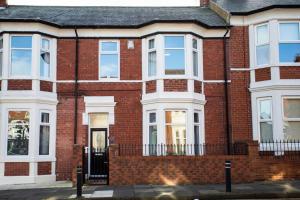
(263, 74)
(197, 86)
(44, 168)
(46, 86)
(151, 86)
(19, 85)
(16, 169)
(291, 72)
(175, 85)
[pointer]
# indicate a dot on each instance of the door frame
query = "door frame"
(91, 130)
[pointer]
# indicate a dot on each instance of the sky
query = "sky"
(106, 2)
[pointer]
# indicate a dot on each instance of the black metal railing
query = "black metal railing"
(279, 148)
(182, 149)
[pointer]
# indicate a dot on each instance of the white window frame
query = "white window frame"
(10, 56)
(184, 51)
(256, 45)
(50, 53)
(109, 53)
(175, 124)
(29, 133)
(150, 51)
(197, 51)
(264, 120)
(50, 130)
(287, 41)
(284, 119)
(1, 51)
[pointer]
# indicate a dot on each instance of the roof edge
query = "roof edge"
(263, 9)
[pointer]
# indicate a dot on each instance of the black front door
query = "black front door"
(98, 154)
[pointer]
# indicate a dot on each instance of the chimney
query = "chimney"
(3, 3)
(204, 3)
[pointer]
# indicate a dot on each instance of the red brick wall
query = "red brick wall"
(131, 60)
(46, 86)
(66, 59)
(16, 169)
(263, 74)
(89, 59)
(197, 86)
(44, 168)
(19, 85)
(175, 85)
(290, 72)
(213, 59)
(151, 86)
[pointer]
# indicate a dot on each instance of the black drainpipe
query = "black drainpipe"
(228, 135)
(76, 88)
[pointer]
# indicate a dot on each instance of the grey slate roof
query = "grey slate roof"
(246, 7)
(111, 16)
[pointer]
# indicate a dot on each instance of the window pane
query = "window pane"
(262, 55)
(21, 42)
(109, 46)
(291, 108)
(266, 131)
(176, 117)
(21, 62)
(109, 66)
(265, 109)
(195, 44)
(289, 31)
(174, 42)
(98, 120)
(152, 134)
(175, 135)
(45, 64)
(174, 62)
(1, 60)
(1, 43)
(289, 52)
(18, 133)
(196, 117)
(152, 63)
(197, 140)
(45, 117)
(45, 44)
(152, 117)
(44, 140)
(151, 44)
(195, 63)
(262, 35)
(291, 130)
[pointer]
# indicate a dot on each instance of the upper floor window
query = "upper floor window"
(21, 55)
(289, 42)
(109, 59)
(1, 55)
(262, 45)
(151, 57)
(174, 55)
(195, 58)
(45, 58)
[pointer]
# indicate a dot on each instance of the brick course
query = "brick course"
(151, 86)
(16, 169)
(291, 72)
(19, 84)
(175, 85)
(44, 168)
(197, 86)
(46, 86)
(263, 74)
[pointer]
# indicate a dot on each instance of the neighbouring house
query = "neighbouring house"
(150, 95)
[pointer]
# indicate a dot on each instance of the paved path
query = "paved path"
(240, 191)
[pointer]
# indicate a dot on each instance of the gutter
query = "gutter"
(76, 88)
(227, 110)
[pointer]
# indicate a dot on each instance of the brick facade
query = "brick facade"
(46, 86)
(16, 169)
(291, 72)
(19, 85)
(263, 74)
(151, 86)
(175, 85)
(44, 168)
(197, 86)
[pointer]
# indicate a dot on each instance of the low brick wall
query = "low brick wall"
(170, 170)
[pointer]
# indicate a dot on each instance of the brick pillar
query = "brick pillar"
(253, 149)
(3, 3)
(113, 164)
(204, 3)
(76, 161)
(254, 160)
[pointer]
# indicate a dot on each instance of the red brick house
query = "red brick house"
(222, 72)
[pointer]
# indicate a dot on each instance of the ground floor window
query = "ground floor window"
(44, 133)
(265, 119)
(291, 118)
(18, 132)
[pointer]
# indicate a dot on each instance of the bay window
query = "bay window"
(44, 133)
(18, 132)
(152, 133)
(262, 45)
(197, 132)
(21, 55)
(195, 58)
(45, 58)
(265, 119)
(289, 42)
(151, 58)
(109, 59)
(291, 118)
(174, 55)
(175, 127)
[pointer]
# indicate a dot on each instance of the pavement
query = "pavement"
(63, 190)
